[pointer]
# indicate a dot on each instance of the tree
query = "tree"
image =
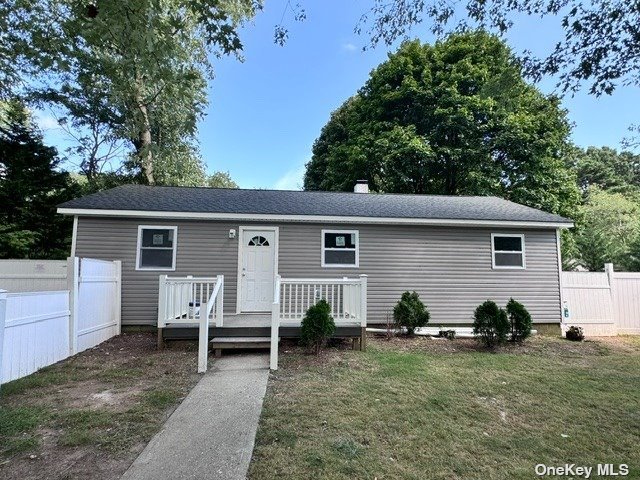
(410, 312)
(452, 118)
(606, 168)
(490, 324)
(221, 180)
(139, 67)
(609, 228)
(601, 44)
(30, 189)
(317, 326)
(519, 319)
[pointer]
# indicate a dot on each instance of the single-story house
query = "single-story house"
(455, 251)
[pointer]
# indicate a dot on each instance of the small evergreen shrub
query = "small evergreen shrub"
(317, 326)
(410, 312)
(520, 321)
(575, 334)
(448, 334)
(490, 324)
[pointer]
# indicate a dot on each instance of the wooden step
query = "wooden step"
(229, 343)
(241, 340)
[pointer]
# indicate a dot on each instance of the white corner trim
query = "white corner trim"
(74, 236)
(339, 265)
(309, 218)
(175, 248)
(521, 252)
(560, 282)
(241, 230)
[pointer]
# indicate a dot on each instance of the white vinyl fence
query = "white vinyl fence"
(36, 332)
(41, 328)
(602, 303)
(33, 275)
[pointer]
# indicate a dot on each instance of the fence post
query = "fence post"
(608, 268)
(118, 265)
(3, 314)
(73, 285)
(363, 312)
(162, 307)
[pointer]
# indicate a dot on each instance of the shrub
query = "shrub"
(317, 326)
(575, 334)
(490, 324)
(520, 321)
(410, 312)
(448, 334)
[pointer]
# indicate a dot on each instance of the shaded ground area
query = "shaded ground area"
(89, 416)
(424, 408)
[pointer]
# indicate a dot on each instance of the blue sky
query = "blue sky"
(265, 112)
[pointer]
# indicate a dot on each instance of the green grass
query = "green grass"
(418, 413)
(106, 401)
(17, 425)
(47, 376)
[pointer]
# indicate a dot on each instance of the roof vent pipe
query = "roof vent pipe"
(361, 186)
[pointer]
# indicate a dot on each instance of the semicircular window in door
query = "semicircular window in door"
(258, 241)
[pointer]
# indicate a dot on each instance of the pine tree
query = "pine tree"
(31, 186)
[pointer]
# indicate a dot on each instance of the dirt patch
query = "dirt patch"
(536, 345)
(90, 415)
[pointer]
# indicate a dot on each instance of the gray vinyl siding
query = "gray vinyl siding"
(450, 267)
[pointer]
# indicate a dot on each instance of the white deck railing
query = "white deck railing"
(187, 299)
(344, 296)
(347, 298)
(183, 300)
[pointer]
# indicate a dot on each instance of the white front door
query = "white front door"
(257, 270)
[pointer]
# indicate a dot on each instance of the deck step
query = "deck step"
(230, 343)
(241, 340)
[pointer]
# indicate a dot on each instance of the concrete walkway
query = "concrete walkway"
(211, 434)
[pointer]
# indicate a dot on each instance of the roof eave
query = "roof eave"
(310, 218)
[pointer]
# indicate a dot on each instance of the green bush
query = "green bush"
(490, 324)
(575, 334)
(317, 326)
(410, 312)
(520, 321)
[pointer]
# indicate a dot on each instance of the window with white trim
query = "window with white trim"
(156, 247)
(340, 248)
(507, 250)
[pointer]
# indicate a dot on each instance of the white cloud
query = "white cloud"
(46, 122)
(349, 47)
(291, 180)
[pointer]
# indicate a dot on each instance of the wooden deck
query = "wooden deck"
(251, 325)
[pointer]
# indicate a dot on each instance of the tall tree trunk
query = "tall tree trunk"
(144, 145)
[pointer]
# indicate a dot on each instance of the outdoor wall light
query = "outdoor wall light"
(232, 233)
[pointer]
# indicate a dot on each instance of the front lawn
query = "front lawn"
(90, 415)
(428, 408)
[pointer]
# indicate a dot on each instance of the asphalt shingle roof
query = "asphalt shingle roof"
(281, 202)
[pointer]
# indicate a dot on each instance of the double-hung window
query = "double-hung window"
(340, 248)
(156, 247)
(507, 251)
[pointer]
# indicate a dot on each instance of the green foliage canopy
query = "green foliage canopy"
(31, 186)
(451, 118)
(134, 70)
(609, 228)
